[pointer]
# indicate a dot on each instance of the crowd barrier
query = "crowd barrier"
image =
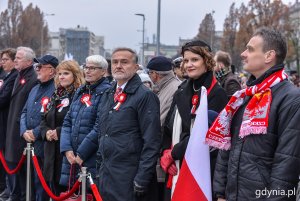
(81, 181)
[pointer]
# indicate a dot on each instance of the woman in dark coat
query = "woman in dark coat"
(198, 63)
(6, 88)
(77, 131)
(68, 79)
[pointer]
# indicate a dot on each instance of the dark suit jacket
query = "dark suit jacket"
(5, 94)
(14, 144)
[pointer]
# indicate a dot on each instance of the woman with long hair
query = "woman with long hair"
(68, 79)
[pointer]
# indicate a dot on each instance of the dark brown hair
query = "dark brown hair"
(204, 52)
(11, 52)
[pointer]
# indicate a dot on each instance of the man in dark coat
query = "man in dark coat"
(129, 134)
(224, 74)
(33, 110)
(15, 145)
(7, 57)
(262, 160)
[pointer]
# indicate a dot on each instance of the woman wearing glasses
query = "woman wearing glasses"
(77, 136)
(68, 79)
(198, 63)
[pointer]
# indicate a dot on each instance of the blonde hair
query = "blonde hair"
(72, 66)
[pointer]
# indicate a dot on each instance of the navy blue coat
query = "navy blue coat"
(129, 142)
(5, 94)
(77, 132)
(32, 115)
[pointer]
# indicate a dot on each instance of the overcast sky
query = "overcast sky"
(115, 19)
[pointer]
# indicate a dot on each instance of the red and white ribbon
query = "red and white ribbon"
(121, 99)
(85, 99)
(44, 102)
(64, 103)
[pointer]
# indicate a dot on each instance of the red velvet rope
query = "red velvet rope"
(96, 192)
(46, 187)
(7, 168)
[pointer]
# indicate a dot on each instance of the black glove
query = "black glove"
(138, 190)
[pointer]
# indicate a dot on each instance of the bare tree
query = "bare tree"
(207, 30)
(229, 33)
(256, 14)
(20, 27)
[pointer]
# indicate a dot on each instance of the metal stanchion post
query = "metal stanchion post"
(83, 182)
(28, 172)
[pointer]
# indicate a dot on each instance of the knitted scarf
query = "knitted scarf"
(255, 117)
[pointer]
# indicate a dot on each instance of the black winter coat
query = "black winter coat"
(5, 96)
(129, 143)
(217, 99)
(53, 119)
(15, 144)
(260, 162)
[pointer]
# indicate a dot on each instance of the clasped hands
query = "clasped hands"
(167, 163)
(51, 135)
(73, 159)
(29, 136)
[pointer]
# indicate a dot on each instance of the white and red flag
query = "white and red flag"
(194, 181)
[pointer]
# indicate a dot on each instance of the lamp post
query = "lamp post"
(158, 30)
(143, 41)
(42, 31)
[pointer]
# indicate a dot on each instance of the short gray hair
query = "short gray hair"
(98, 60)
(28, 53)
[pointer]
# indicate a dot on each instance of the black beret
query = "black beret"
(193, 43)
(160, 63)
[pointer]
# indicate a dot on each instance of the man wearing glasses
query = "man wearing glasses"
(33, 110)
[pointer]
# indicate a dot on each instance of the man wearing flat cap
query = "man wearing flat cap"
(165, 85)
(33, 110)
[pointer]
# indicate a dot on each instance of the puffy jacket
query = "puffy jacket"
(77, 131)
(263, 162)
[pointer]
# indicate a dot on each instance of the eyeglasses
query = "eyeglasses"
(5, 59)
(91, 68)
(39, 66)
(150, 72)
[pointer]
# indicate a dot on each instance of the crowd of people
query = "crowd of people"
(130, 125)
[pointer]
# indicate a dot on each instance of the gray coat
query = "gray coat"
(166, 89)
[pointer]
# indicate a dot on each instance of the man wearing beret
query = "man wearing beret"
(33, 110)
(165, 85)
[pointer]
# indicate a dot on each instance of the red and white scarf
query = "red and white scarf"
(255, 117)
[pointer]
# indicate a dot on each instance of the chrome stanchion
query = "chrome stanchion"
(28, 172)
(83, 176)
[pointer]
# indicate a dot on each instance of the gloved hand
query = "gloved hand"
(138, 189)
(166, 160)
(172, 170)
